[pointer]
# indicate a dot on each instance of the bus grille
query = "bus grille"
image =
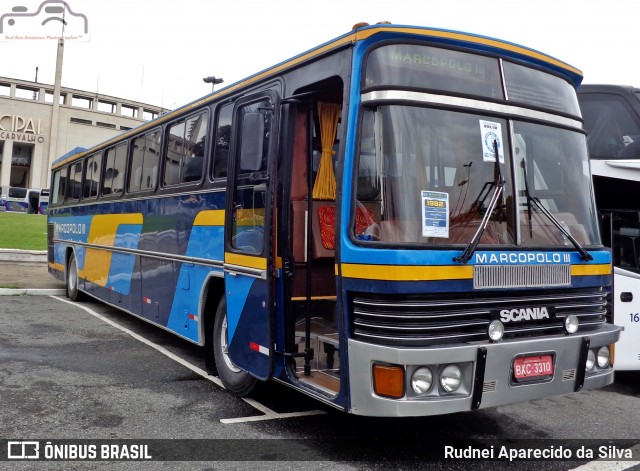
(423, 320)
(521, 276)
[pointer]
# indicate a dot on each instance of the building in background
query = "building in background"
(29, 142)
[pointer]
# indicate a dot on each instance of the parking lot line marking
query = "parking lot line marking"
(274, 415)
(268, 413)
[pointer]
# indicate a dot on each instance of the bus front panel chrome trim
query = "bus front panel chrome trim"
(521, 276)
(458, 102)
(497, 375)
(427, 320)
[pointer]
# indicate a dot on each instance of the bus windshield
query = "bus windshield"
(430, 175)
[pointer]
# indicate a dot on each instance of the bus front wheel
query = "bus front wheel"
(237, 381)
(73, 293)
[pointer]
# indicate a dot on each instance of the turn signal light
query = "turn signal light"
(388, 381)
(612, 351)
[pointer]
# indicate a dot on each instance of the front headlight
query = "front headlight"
(603, 357)
(422, 380)
(591, 361)
(450, 378)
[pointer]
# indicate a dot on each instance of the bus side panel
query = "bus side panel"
(248, 335)
(70, 229)
(120, 280)
(108, 274)
(17, 206)
(157, 287)
(627, 316)
(205, 242)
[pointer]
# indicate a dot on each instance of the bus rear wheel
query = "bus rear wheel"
(238, 382)
(73, 293)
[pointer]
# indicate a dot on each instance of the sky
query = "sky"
(158, 52)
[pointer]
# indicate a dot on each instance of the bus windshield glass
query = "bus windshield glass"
(427, 176)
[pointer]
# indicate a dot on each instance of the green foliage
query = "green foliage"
(23, 231)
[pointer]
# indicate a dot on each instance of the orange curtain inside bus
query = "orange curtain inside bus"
(324, 187)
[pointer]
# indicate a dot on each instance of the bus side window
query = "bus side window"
(174, 153)
(184, 156)
(75, 181)
(612, 129)
(195, 141)
(249, 192)
(113, 178)
(143, 171)
(93, 169)
(222, 140)
(59, 186)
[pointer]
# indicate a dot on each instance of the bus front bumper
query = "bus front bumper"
(496, 386)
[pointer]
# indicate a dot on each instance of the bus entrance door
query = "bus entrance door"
(248, 239)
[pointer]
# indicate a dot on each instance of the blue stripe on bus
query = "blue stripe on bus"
(121, 269)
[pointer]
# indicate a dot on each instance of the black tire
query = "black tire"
(209, 352)
(71, 278)
(236, 381)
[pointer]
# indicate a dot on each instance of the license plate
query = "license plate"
(533, 367)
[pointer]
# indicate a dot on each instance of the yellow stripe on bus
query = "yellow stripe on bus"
(406, 273)
(587, 270)
(422, 273)
(249, 261)
(104, 227)
(213, 217)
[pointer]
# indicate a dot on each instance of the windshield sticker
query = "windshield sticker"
(435, 214)
(491, 132)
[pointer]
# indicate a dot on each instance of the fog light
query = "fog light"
(421, 380)
(450, 378)
(571, 324)
(388, 381)
(591, 361)
(603, 357)
(496, 330)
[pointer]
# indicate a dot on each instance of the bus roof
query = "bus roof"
(443, 36)
(71, 153)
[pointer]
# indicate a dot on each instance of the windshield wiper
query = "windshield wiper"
(585, 255)
(471, 248)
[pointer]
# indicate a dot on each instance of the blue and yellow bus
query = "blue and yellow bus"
(398, 222)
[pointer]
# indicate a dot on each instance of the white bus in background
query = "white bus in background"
(22, 200)
(43, 202)
(612, 120)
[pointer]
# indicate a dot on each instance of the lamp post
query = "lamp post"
(212, 80)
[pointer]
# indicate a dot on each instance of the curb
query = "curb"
(31, 292)
(28, 256)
